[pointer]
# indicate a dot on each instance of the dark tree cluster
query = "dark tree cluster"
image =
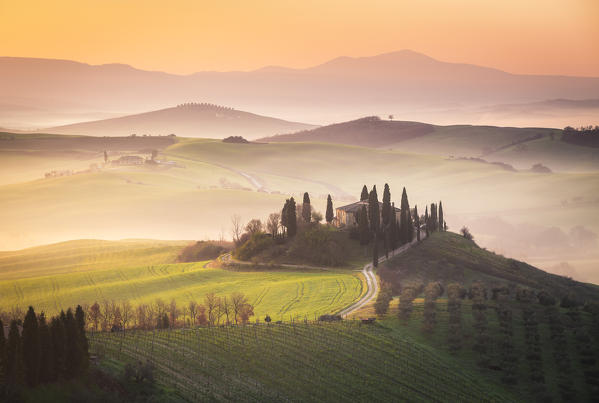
(584, 136)
(406, 300)
(40, 352)
(431, 292)
(289, 218)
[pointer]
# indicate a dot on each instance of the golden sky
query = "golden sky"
(184, 36)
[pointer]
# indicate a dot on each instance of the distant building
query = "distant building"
(129, 160)
(348, 215)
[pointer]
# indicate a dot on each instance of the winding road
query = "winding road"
(371, 283)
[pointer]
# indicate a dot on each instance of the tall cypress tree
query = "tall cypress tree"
(57, 331)
(417, 218)
(2, 354)
(374, 217)
(284, 214)
(32, 353)
(426, 221)
(47, 351)
(14, 356)
(74, 355)
(291, 218)
(441, 221)
(433, 217)
(375, 251)
(363, 226)
(386, 208)
(329, 215)
(80, 319)
(364, 195)
(405, 218)
(306, 209)
(393, 233)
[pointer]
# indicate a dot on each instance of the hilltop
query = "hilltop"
(190, 120)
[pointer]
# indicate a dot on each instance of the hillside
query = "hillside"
(448, 257)
(405, 82)
(189, 120)
(519, 146)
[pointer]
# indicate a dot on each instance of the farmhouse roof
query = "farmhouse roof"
(354, 207)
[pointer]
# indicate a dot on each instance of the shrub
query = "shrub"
(255, 244)
(318, 245)
(381, 306)
(466, 233)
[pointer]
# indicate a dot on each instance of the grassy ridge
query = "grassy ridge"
(300, 362)
(80, 272)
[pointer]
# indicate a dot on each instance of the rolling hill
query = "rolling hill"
(189, 120)
(408, 84)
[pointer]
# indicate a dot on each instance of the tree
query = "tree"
(154, 154)
(383, 299)
(329, 214)
(14, 356)
(426, 221)
(375, 251)
(2, 354)
(291, 218)
(405, 224)
(272, 225)
(363, 226)
(80, 319)
(105, 157)
(173, 312)
(417, 218)
(373, 211)
(47, 352)
(466, 233)
(365, 194)
(433, 218)
(254, 226)
(441, 221)
(393, 232)
(238, 303)
(306, 208)
(94, 315)
(31, 348)
(74, 352)
(57, 331)
(211, 302)
(316, 217)
(193, 311)
(236, 228)
(386, 209)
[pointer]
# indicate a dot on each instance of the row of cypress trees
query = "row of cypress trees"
(41, 352)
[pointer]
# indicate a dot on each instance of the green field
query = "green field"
(59, 276)
(299, 362)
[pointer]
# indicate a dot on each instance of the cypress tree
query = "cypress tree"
(32, 353)
(14, 356)
(363, 226)
(404, 224)
(386, 208)
(58, 345)
(74, 354)
(2, 354)
(373, 211)
(329, 215)
(433, 218)
(393, 233)
(47, 357)
(306, 209)
(426, 221)
(441, 221)
(284, 214)
(375, 251)
(80, 319)
(291, 218)
(364, 195)
(417, 218)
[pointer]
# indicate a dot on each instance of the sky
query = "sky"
(185, 36)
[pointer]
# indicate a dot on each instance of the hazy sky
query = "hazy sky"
(184, 36)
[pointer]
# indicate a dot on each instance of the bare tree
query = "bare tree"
(225, 309)
(193, 311)
(94, 315)
(202, 315)
(254, 226)
(212, 303)
(236, 228)
(272, 225)
(126, 313)
(237, 302)
(173, 312)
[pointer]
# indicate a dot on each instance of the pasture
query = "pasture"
(81, 272)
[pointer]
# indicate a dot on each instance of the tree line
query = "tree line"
(37, 351)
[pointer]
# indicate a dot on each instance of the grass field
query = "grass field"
(300, 362)
(55, 277)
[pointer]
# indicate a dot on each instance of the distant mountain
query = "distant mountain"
(188, 120)
(407, 84)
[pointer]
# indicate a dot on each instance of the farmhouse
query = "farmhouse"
(129, 160)
(348, 215)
